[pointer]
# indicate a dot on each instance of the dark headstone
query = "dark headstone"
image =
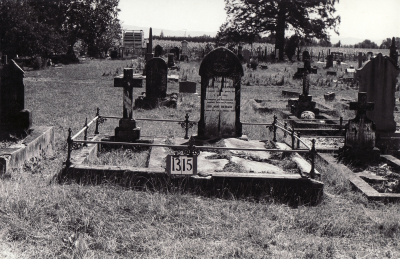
(156, 78)
(393, 52)
(187, 87)
(13, 115)
(176, 51)
(329, 96)
(221, 73)
(158, 51)
(171, 60)
(360, 59)
(329, 61)
(378, 79)
(150, 46)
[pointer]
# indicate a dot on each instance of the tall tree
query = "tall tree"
(308, 18)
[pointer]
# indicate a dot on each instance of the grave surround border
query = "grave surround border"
(39, 142)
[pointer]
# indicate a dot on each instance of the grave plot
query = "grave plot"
(219, 160)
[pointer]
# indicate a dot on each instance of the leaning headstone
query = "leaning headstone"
(221, 73)
(246, 56)
(378, 79)
(158, 51)
(13, 115)
(127, 130)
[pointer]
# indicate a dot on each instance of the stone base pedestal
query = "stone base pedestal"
(127, 131)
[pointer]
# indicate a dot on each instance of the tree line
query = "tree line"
(43, 27)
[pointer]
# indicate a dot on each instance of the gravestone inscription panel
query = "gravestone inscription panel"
(221, 74)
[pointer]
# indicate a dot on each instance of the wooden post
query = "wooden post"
(298, 140)
(292, 134)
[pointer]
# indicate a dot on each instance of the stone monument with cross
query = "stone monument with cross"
(127, 130)
(304, 103)
(360, 131)
(221, 73)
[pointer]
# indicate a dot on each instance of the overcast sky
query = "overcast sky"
(364, 19)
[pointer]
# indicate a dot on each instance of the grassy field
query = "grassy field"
(42, 219)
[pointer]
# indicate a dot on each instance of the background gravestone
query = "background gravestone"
(246, 56)
(156, 78)
(378, 79)
(221, 73)
(185, 51)
(13, 115)
(158, 51)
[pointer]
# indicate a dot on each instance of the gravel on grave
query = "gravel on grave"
(323, 142)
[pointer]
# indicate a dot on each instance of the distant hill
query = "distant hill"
(157, 31)
(352, 41)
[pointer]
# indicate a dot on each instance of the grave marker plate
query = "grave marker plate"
(181, 165)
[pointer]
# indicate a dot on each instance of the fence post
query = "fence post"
(69, 147)
(313, 153)
(292, 134)
(341, 124)
(85, 135)
(275, 127)
(186, 126)
(96, 131)
(298, 140)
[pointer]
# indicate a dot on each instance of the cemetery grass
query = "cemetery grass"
(40, 218)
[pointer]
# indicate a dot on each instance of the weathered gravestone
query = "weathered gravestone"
(360, 132)
(13, 115)
(246, 56)
(171, 60)
(304, 103)
(378, 79)
(156, 78)
(185, 51)
(156, 83)
(393, 52)
(329, 61)
(221, 74)
(127, 130)
(360, 59)
(158, 51)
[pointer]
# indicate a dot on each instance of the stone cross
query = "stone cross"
(127, 82)
(361, 130)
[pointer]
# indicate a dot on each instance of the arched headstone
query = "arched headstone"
(221, 73)
(156, 78)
